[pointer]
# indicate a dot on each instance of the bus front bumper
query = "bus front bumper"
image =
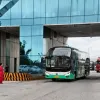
(70, 76)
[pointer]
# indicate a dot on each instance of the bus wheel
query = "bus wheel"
(54, 79)
(97, 71)
(85, 75)
(75, 77)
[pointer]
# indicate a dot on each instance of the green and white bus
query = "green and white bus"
(64, 62)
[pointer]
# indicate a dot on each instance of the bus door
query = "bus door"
(82, 70)
(79, 68)
(77, 65)
(74, 62)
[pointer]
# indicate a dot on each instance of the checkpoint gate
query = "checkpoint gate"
(57, 34)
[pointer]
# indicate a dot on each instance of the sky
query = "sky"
(90, 45)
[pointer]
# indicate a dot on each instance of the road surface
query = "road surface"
(85, 89)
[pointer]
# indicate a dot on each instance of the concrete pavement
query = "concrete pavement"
(84, 89)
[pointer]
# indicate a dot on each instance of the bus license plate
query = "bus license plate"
(56, 76)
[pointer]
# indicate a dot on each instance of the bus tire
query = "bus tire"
(54, 79)
(97, 71)
(85, 74)
(75, 77)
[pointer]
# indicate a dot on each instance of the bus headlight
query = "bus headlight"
(47, 73)
(67, 73)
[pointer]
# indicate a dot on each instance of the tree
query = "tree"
(22, 47)
(24, 59)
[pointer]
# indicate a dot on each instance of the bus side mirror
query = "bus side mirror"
(49, 57)
(46, 57)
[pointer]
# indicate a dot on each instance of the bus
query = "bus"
(64, 62)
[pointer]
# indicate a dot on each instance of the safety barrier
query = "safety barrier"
(20, 77)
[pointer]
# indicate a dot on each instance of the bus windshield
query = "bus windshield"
(59, 52)
(58, 57)
(58, 61)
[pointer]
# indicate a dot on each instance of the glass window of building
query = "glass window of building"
(7, 14)
(16, 22)
(64, 20)
(51, 8)
(39, 8)
(92, 18)
(37, 30)
(77, 19)
(27, 8)
(64, 7)
(77, 7)
(91, 7)
(51, 20)
(16, 10)
(27, 41)
(5, 22)
(37, 46)
(98, 18)
(39, 21)
(28, 21)
(35, 57)
(25, 31)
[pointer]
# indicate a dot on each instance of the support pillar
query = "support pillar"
(52, 42)
(3, 48)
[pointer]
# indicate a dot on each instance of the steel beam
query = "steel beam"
(9, 5)
(0, 1)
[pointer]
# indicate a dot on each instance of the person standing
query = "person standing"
(1, 73)
(7, 68)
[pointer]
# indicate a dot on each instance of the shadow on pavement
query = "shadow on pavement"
(93, 78)
(46, 81)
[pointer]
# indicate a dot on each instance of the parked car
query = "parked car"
(30, 69)
(35, 70)
(23, 68)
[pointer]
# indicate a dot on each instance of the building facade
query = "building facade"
(9, 49)
(31, 15)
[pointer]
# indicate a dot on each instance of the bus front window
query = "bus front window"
(50, 62)
(58, 57)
